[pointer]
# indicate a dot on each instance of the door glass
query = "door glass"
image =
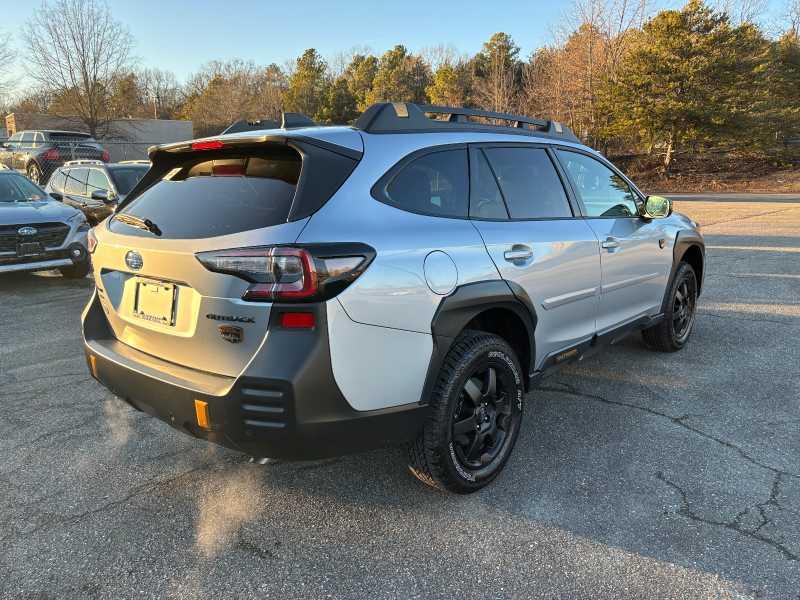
(603, 192)
(434, 184)
(97, 181)
(27, 138)
(529, 182)
(38, 140)
(76, 182)
(57, 181)
(486, 201)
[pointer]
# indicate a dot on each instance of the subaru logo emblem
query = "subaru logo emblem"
(27, 231)
(134, 260)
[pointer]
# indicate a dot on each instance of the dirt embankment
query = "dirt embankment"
(715, 172)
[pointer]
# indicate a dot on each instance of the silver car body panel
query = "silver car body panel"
(376, 367)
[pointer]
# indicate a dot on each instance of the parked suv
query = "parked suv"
(313, 291)
(38, 153)
(38, 233)
(94, 187)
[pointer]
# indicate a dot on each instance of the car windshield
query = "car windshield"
(127, 177)
(15, 188)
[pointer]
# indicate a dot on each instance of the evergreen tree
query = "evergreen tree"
(308, 86)
(401, 77)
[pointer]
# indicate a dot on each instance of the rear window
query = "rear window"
(212, 197)
(69, 136)
(126, 177)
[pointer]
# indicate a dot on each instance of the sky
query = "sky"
(181, 36)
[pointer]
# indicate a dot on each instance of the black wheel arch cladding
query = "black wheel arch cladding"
(490, 299)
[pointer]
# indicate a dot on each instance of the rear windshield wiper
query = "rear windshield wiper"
(134, 221)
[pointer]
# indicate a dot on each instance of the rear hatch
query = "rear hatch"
(76, 146)
(198, 201)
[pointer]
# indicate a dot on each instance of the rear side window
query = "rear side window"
(76, 182)
(530, 184)
(434, 184)
(211, 197)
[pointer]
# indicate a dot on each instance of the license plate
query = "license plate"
(155, 302)
(29, 249)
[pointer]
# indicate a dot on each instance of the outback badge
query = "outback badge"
(231, 333)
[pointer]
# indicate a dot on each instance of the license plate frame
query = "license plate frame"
(26, 249)
(155, 301)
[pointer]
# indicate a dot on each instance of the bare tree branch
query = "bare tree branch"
(75, 50)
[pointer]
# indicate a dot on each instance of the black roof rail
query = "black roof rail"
(289, 120)
(406, 117)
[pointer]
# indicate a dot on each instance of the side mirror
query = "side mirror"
(57, 196)
(101, 195)
(656, 207)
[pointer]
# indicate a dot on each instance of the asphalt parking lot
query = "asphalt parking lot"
(637, 474)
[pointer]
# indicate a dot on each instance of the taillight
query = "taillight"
(91, 241)
(52, 154)
(292, 274)
(105, 157)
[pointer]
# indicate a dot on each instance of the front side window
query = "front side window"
(97, 181)
(27, 138)
(76, 182)
(486, 201)
(434, 184)
(603, 192)
(531, 187)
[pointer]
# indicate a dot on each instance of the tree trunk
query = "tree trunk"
(670, 149)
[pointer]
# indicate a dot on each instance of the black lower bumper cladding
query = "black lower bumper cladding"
(286, 404)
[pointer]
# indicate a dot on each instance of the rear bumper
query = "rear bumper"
(285, 405)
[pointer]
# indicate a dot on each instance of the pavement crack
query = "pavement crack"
(734, 525)
(680, 421)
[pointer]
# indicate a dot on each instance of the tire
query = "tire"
(34, 173)
(77, 271)
(470, 432)
(673, 332)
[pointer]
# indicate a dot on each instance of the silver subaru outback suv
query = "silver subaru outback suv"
(305, 291)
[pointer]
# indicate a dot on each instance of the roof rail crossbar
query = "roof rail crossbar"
(406, 117)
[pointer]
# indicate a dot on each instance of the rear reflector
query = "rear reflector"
(201, 410)
(209, 145)
(297, 320)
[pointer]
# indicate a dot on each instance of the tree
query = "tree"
(222, 93)
(497, 74)
(689, 77)
(161, 91)
(360, 75)
(75, 49)
(400, 77)
(451, 85)
(308, 85)
(792, 15)
(339, 104)
(7, 56)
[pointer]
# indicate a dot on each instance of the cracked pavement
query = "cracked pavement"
(636, 475)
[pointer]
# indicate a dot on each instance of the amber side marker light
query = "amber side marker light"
(93, 365)
(201, 411)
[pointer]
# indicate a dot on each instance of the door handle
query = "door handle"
(518, 252)
(610, 243)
